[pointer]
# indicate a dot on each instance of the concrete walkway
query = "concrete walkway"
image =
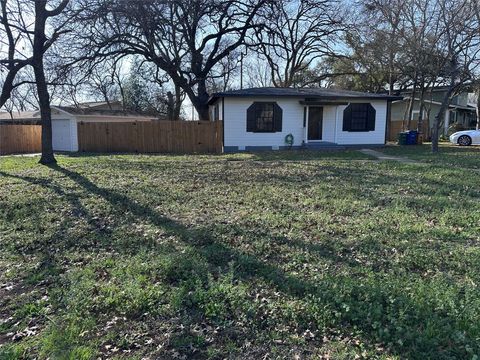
(382, 157)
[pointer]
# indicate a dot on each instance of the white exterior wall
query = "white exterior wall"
(329, 118)
(376, 137)
(235, 124)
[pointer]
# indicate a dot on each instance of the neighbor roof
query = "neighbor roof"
(93, 111)
(79, 113)
(318, 93)
(15, 115)
(93, 104)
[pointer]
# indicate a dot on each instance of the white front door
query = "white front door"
(61, 135)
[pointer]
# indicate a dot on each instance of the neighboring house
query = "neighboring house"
(460, 111)
(65, 120)
(261, 118)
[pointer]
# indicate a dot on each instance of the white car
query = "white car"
(466, 138)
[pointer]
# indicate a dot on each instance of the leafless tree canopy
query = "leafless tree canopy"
(295, 35)
(185, 39)
(31, 29)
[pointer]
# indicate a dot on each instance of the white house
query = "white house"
(276, 118)
(65, 120)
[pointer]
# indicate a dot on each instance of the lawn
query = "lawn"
(448, 155)
(251, 256)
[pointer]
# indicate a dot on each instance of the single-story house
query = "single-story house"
(65, 120)
(276, 118)
(460, 113)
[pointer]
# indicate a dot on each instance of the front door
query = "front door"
(315, 123)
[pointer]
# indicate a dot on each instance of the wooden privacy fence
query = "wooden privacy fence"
(20, 139)
(396, 126)
(152, 137)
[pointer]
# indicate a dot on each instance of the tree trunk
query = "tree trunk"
(421, 107)
(478, 110)
(411, 104)
(41, 82)
(170, 106)
(202, 110)
(178, 103)
(390, 70)
(438, 118)
(200, 101)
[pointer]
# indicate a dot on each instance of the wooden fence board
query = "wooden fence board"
(152, 137)
(20, 139)
(396, 126)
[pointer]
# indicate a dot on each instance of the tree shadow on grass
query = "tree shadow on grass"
(404, 335)
(379, 311)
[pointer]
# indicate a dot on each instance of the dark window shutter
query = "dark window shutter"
(251, 120)
(277, 118)
(371, 118)
(347, 118)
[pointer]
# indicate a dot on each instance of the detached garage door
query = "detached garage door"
(62, 135)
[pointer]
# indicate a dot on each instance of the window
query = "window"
(264, 117)
(359, 117)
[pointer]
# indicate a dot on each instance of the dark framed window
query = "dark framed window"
(264, 117)
(359, 117)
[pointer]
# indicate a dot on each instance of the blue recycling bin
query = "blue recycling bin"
(412, 137)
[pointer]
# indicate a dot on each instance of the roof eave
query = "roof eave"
(216, 96)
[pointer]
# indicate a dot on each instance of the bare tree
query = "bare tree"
(223, 74)
(297, 34)
(13, 60)
(383, 19)
(105, 82)
(186, 38)
(28, 42)
(420, 33)
(462, 45)
(259, 74)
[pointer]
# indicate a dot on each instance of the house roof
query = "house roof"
(464, 88)
(98, 104)
(451, 106)
(314, 93)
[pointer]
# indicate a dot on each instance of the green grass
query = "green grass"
(273, 254)
(449, 155)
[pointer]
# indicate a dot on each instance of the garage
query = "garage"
(65, 120)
